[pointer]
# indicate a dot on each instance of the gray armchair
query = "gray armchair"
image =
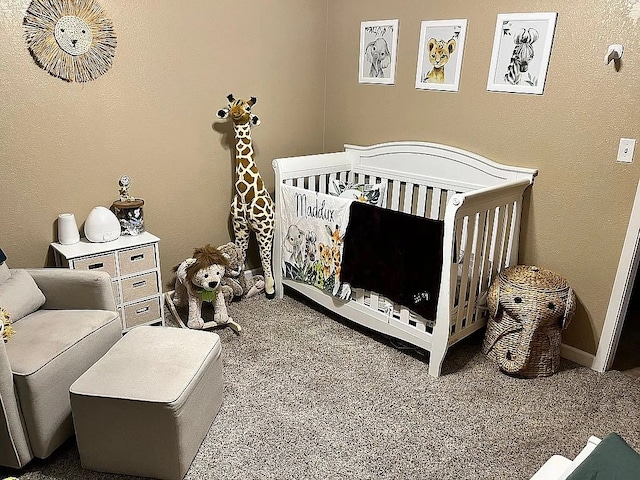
(64, 320)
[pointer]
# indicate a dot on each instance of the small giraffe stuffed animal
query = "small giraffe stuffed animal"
(252, 206)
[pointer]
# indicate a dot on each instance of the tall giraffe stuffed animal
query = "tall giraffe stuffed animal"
(252, 206)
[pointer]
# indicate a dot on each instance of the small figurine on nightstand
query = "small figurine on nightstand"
(124, 183)
(128, 209)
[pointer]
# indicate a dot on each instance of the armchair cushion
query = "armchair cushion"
(20, 295)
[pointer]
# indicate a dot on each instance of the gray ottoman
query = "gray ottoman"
(145, 407)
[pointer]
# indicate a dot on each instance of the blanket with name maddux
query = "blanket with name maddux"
(314, 225)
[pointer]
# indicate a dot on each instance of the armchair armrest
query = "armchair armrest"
(66, 289)
(15, 451)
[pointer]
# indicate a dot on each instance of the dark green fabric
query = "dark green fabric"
(612, 459)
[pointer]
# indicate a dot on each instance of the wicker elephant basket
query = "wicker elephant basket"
(529, 307)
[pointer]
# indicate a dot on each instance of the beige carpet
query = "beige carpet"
(310, 397)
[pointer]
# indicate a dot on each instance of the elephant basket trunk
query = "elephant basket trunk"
(529, 307)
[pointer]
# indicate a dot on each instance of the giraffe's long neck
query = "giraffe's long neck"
(248, 180)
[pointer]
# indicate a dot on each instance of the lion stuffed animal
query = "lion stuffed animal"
(198, 280)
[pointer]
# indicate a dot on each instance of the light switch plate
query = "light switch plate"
(625, 150)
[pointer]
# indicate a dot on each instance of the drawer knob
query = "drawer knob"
(142, 310)
(140, 256)
(141, 283)
(93, 266)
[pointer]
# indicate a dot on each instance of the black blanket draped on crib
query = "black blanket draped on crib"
(395, 254)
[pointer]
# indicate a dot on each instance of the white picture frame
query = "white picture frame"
(440, 54)
(378, 52)
(521, 51)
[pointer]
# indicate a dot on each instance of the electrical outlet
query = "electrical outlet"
(625, 150)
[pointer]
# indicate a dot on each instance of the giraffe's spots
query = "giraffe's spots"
(241, 187)
(246, 140)
(260, 184)
(248, 178)
(246, 151)
(261, 202)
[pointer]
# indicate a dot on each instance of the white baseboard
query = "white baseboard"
(576, 355)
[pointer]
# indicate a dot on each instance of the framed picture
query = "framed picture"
(440, 54)
(521, 51)
(378, 51)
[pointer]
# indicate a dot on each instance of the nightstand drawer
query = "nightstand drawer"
(140, 286)
(136, 260)
(142, 312)
(105, 262)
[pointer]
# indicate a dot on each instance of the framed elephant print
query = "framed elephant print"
(521, 52)
(378, 51)
(440, 54)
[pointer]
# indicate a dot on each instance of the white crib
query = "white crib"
(480, 202)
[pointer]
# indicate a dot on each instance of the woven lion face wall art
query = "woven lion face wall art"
(71, 39)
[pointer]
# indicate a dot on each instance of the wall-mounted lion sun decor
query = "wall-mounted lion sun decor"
(71, 39)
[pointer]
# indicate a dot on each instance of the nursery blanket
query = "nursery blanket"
(313, 225)
(395, 254)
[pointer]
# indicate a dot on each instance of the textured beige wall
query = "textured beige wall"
(63, 146)
(579, 207)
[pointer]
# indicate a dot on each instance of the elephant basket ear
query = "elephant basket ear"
(493, 298)
(570, 308)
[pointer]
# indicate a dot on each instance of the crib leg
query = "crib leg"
(436, 359)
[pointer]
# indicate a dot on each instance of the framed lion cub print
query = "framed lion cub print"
(440, 54)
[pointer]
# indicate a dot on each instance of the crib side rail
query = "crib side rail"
(482, 230)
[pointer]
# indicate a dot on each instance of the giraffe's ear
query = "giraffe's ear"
(230, 98)
(255, 121)
(252, 101)
(222, 113)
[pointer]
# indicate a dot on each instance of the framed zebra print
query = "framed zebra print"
(521, 52)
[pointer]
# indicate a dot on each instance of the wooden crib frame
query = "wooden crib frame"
(480, 202)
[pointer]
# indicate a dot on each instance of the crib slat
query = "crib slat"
(395, 195)
(373, 301)
(407, 202)
(499, 239)
(487, 273)
(421, 205)
(323, 182)
(435, 203)
(507, 234)
(404, 315)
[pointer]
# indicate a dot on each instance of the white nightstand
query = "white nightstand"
(134, 265)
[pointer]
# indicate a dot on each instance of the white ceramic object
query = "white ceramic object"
(68, 233)
(101, 225)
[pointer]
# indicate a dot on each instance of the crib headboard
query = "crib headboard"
(443, 166)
